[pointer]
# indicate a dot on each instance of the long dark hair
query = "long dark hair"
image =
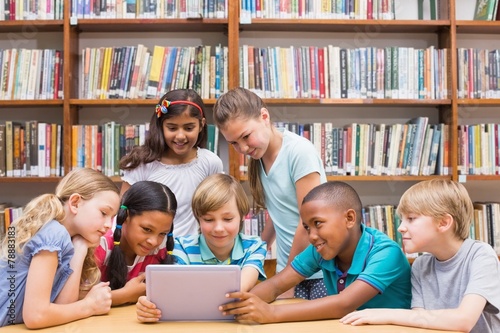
(141, 197)
(154, 146)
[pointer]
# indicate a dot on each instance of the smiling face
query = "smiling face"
(220, 228)
(328, 227)
(418, 232)
(181, 134)
(248, 136)
(94, 217)
(143, 233)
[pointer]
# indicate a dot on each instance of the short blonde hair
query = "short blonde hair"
(215, 191)
(436, 198)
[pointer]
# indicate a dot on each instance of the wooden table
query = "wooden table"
(123, 319)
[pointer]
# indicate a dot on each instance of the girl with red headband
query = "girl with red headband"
(174, 153)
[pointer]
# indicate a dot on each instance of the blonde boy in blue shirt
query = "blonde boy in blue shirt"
(362, 267)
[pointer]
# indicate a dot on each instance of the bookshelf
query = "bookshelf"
(72, 37)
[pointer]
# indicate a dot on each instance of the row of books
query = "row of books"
(31, 74)
(415, 148)
(479, 152)
(30, 149)
(34, 149)
(320, 9)
(16, 10)
(101, 147)
(8, 213)
(253, 224)
(335, 72)
(135, 72)
(485, 225)
(152, 9)
(478, 73)
(432, 10)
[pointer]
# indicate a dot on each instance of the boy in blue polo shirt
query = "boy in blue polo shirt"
(362, 267)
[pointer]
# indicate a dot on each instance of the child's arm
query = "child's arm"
(125, 186)
(461, 319)
(251, 308)
(249, 277)
(133, 289)
(268, 234)
(147, 311)
(71, 289)
(39, 312)
(301, 239)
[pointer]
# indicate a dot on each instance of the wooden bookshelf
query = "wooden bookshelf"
(445, 31)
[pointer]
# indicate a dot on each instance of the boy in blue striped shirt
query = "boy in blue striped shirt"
(220, 206)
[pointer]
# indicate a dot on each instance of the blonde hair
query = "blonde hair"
(215, 191)
(243, 104)
(47, 207)
(436, 198)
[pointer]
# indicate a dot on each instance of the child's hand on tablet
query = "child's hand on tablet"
(147, 311)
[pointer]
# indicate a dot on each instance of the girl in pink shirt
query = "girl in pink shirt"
(143, 236)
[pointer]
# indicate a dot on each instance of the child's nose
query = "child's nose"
(313, 236)
(219, 226)
(108, 223)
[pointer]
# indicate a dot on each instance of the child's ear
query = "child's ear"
(73, 202)
(264, 113)
(350, 217)
(203, 123)
(445, 222)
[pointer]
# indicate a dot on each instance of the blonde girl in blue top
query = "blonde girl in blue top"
(220, 205)
(48, 253)
(174, 153)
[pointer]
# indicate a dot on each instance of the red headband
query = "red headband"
(163, 106)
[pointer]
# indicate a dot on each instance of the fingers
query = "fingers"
(147, 311)
(351, 319)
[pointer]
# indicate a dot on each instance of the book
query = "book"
(2, 151)
(485, 10)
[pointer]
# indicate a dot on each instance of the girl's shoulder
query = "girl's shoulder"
(207, 153)
(292, 139)
(52, 236)
(209, 158)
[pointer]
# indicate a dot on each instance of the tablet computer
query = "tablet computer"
(191, 292)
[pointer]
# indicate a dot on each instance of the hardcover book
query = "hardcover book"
(485, 10)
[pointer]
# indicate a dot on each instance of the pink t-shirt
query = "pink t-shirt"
(103, 251)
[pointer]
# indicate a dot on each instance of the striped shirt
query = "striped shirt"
(248, 251)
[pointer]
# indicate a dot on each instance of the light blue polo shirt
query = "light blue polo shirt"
(378, 260)
(248, 251)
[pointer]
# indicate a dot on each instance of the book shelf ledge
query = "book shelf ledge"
(31, 102)
(332, 25)
(378, 178)
(470, 102)
(118, 101)
(478, 27)
(116, 179)
(386, 178)
(29, 179)
(468, 178)
(155, 25)
(31, 26)
(358, 102)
